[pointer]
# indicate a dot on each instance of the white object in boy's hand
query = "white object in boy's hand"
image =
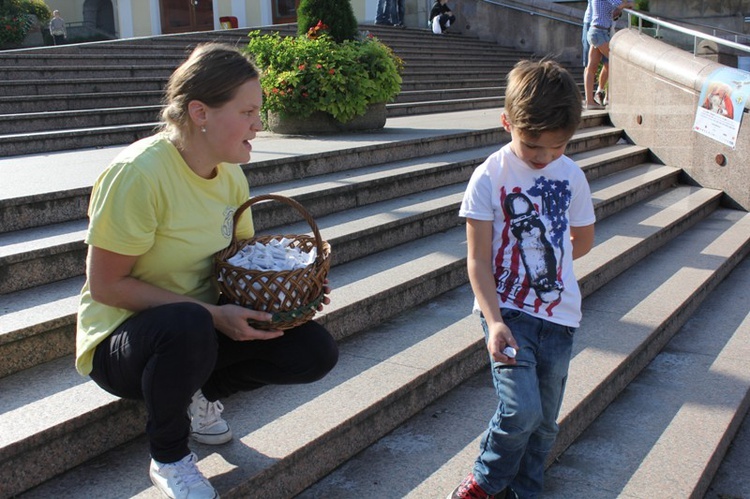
(509, 351)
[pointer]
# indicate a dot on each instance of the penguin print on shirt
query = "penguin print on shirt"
(528, 264)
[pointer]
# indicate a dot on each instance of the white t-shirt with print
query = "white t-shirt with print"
(532, 211)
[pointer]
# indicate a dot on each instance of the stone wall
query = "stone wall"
(654, 93)
(509, 27)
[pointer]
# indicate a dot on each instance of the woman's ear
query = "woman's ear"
(197, 113)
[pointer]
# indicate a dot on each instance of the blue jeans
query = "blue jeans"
(390, 12)
(521, 433)
(598, 36)
(585, 45)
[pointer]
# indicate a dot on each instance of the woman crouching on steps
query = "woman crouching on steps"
(149, 323)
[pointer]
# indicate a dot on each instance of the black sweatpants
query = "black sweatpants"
(165, 354)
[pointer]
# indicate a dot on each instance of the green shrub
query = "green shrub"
(304, 74)
(13, 29)
(39, 9)
(16, 19)
(336, 14)
(641, 6)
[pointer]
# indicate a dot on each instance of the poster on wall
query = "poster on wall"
(722, 104)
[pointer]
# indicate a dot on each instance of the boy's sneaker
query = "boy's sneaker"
(206, 424)
(469, 489)
(599, 97)
(181, 480)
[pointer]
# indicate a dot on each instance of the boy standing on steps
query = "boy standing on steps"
(528, 214)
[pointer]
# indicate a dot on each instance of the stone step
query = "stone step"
(448, 94)
(432, 359)
(366, 292)
(14, 91)
(17, 106)
(90, 134)
(35, 257)
(37, 322)
(444, 106)
(124, 71)
(135, 55)
(352, 226)
(118, 72)
(641, 439)
(65, 140)
(12, 125)
(34, 199)
(665, 435)
(62, 87)
(69, 102)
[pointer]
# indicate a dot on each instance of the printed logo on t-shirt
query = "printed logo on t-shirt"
(228, 225)
(528, 264)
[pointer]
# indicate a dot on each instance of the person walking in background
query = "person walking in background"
(529, 214)
(600, 94)
(151, 325)
(603, 13)
(441, 17)
(57, 28)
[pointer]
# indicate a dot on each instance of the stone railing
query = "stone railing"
(654, 93)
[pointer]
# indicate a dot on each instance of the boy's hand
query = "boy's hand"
(500, 337)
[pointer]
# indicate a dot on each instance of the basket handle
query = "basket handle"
(291, 202)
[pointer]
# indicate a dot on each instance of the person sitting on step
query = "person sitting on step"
(441, 17)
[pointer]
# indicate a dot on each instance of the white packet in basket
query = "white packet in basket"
(274, 256)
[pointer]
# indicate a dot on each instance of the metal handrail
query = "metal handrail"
(533, 13)
(697, 35)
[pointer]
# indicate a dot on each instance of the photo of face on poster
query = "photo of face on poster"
(721, 105)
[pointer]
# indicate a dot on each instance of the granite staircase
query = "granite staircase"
(401, 414)
(109, 93)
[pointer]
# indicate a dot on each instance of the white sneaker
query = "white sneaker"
(206, 424)
(181, 480)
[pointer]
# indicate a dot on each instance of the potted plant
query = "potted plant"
(314, 83)
(18, 18)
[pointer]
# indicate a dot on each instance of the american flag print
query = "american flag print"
(528, 270)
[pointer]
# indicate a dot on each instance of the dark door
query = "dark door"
(181, 16)
(285, 11)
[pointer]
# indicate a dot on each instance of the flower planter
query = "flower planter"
(323, 123)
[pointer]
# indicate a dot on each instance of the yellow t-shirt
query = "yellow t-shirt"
(149, 203)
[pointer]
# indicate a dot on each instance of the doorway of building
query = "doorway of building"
(182, 16)
(98, 17)
(285, 11)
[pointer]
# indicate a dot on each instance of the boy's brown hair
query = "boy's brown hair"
(542, 96)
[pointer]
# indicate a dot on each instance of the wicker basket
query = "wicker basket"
(291, 296)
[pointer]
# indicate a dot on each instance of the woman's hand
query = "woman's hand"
(500, 337)
(326, 299)
(232, 319)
